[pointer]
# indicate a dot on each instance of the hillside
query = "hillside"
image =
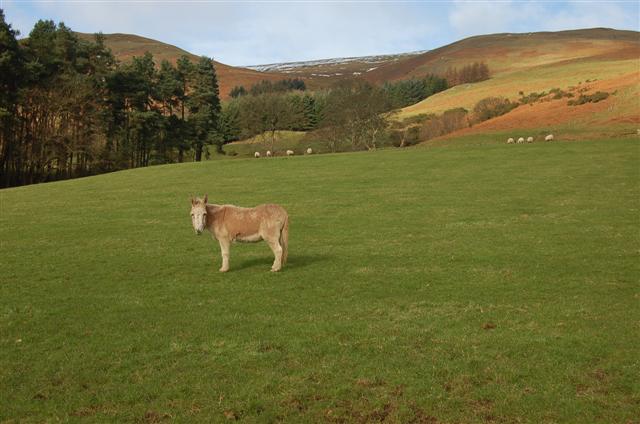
(319, 72)
(512, 52)
(583, 61)
(126, 46)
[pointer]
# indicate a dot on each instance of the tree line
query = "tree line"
(336, 113)
(68, 109)
(267, 86)
(475, 72)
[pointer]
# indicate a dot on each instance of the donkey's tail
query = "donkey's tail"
(284, 239)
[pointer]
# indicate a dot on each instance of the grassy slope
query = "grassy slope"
(401, 262)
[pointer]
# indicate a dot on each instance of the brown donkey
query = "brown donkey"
(228, 223)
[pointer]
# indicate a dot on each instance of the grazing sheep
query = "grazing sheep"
(520, 140)
(549, 137)
(289, 152)
(510, 140)
(268, 153)
(309, 151)
(529, 139)
(256, 155)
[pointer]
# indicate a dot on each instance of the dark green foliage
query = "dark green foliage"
(354, 114)
(269, 112)
(407, 92)
(265, 86)
(238, 91)
(230, 124)
(12, 66)
(68, 110)
(491, 107)
(204, 107)
(589, 98)
(310, 113)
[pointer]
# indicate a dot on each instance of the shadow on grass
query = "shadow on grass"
(293, 262)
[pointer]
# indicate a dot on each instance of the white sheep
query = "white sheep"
(309, 151)
(289, 152)
(521, 140)
(529, 139)
(268, 153)
(256, 155)
(549, 137)
(510, 140)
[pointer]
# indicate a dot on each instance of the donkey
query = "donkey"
(228, 223)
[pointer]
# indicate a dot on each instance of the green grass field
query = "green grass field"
(461, 283)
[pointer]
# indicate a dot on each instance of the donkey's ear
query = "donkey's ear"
(206, 198)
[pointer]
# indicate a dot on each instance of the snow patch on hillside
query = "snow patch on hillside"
(290, 67)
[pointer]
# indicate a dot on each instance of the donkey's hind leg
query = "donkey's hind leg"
(277, 252)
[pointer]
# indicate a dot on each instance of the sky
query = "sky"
(261, 32)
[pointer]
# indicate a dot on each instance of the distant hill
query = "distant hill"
(334, 68)
(527, 62)
(511, 52)
(588, 60)
(126, 46)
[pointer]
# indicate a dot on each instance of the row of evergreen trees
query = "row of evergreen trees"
(68, 109)
(266, 86)
(408, 92)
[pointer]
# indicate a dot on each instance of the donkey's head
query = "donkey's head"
(199, 213)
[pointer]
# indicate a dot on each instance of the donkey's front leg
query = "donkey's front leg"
(224, 250)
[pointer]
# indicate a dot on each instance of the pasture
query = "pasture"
(459, 283)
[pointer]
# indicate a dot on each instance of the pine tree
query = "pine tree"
(310, 113)
(204, 108)
(11, 72)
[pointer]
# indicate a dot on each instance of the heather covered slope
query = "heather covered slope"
(606, 64)
(512, 52)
